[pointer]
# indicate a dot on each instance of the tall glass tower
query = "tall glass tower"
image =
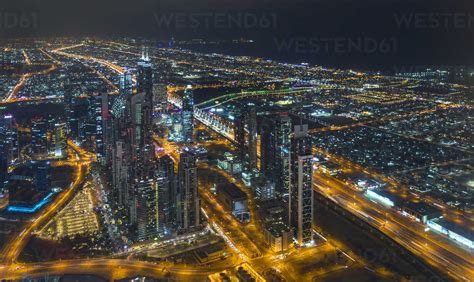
(301, 186)
(187, 115)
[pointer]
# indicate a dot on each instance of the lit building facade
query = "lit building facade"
(9, 146)
(275, 134)
(301, 185)
(188, 199)
(39, 138)
(147, 208)
(187, 115)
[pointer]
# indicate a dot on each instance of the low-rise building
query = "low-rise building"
(278, 236)
(234, 200)
(230, 163)
(459, 233)
(420, 211)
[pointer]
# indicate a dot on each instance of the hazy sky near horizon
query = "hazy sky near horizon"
(424, 31)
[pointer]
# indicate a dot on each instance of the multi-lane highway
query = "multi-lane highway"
(107, 268)
(430, 247)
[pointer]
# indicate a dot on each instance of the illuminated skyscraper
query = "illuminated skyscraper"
(104, 132)
(4, 195)
(122, 145)
(121, 178)
(89, 124)
(70, 91)
(167, 200)
(275, 134)
(126, 83)
(146, 208)
(252, 148)
(188, 198)
(187, 115)
(59, 140)
(146, 83)
(9, 146)
(8, 154)
(282, 162)
(246, 120)
(145, 74)
(161, 95)
(39, 138)
(43, 176)
(48, 138)
(268, 150)
(137, 126)
(239, 124)
(301, 185)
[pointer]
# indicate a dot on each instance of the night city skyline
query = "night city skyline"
(236, 140)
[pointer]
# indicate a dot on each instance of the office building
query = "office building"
(187, 115)
(9, 146)
(247, 141)
(59, 140)
(126, 83)
(239, 125)
(146, 208)
(104, 132)
(278, 236)
(43, 176)
(275, 134)
(145, 85)
(121, 177)
(70, 92)
(234, 200)
(252, 137)
(264, 189)
(99, 105)
(188, 199)
(301, 186)
(4, 195)
(167, 195)
(160, 95)
(144, 74)
(39, 138)
(137, 104)
(230, 163)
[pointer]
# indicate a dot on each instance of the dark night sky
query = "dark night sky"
(295, 20)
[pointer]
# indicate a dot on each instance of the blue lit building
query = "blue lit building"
(459, 233)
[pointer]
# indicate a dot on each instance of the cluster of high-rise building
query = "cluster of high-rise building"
(286, 163)
(182, 124)
(274, 156)
(156, 200)
(48, 138)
